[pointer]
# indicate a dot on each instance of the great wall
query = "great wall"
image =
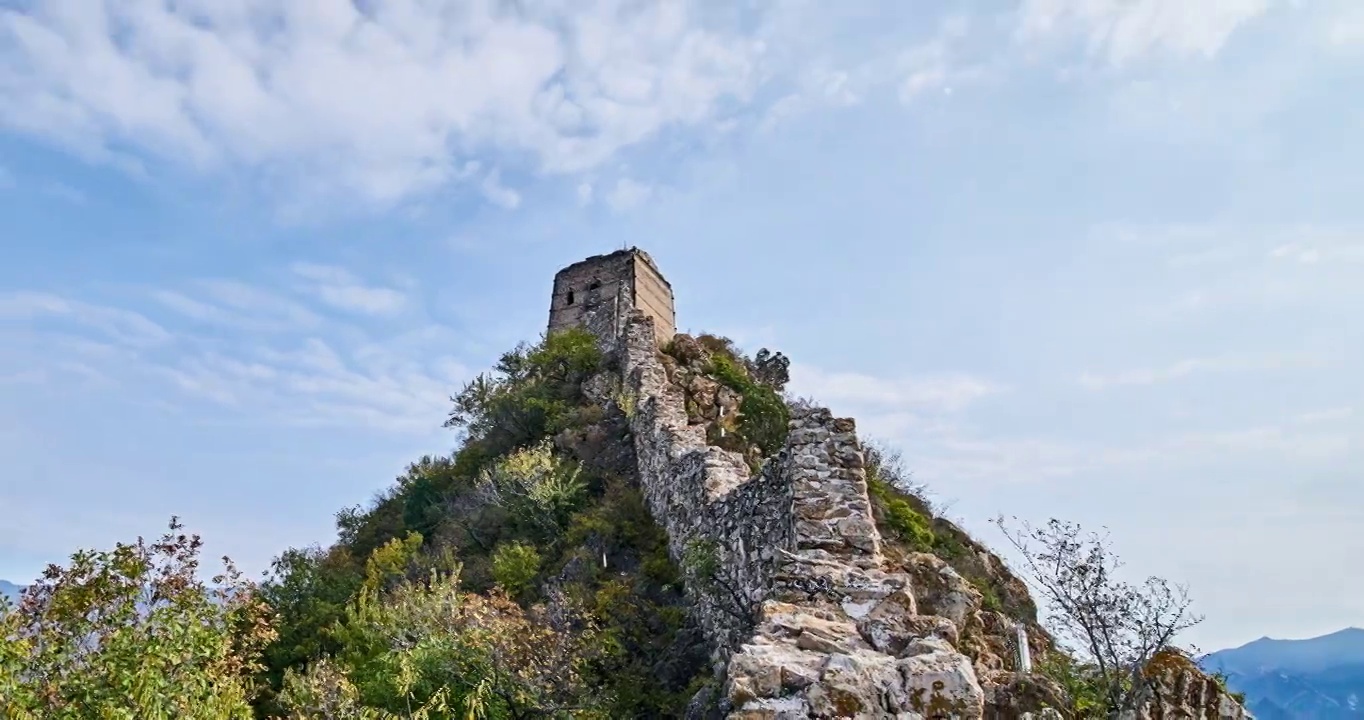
(809, 617)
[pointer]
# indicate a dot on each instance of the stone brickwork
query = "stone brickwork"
(804, 615)
(602, 291)
(807, 616)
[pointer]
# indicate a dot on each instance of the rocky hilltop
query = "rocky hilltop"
(636, 524)
(815, 602)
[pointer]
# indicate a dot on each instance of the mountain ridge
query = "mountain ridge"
(1285, 679)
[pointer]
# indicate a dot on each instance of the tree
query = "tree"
(532, 394)
(430, 648)
(133, 633)
(538, 488)
(1114, 627)
(772, 369)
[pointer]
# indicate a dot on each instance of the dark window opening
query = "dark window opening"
(569, 297)
(594, 285)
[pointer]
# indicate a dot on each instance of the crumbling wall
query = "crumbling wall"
(807, 615)
(827, 631)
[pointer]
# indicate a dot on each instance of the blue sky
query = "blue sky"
(1094, 259)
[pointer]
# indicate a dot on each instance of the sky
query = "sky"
(1100, 260)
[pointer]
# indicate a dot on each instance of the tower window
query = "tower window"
(594, 285)
(569, 297)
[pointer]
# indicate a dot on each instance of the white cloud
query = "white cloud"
(379, 103)
(1327, 415)
(125, 326)
(946, 393)
(628, 194)
(1121, 31)
(1204, 365)
(340, 289)
(318, 372)
(935, 64)
(1347, 27)
(499, 194)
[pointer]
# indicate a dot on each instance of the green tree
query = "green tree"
(515, 566)
(533, 393)
(133, 633)
(537, 487)
(308, 589)
(431, 647)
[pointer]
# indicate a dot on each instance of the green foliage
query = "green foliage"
(362, 633)
(392, 564)
(764, 418)
(515, 566)
(308, 590)
(131, 633)
(450, 653)
(899, 517)
(1084, 685)
(650, 653)
(909, 524)
(533, 393)
(538, 488)
(771, 369)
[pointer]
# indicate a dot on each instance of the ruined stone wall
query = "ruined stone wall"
(819, 628)
(654, 297)
(809, 619)
(602, 291)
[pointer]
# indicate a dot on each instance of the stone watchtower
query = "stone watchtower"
(599, 293)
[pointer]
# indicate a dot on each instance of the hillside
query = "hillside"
(632, 526)
(1320, 677)
(9, 590)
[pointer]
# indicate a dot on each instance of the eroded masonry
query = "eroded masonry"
(813, 620)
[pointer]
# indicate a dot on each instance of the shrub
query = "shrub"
(909, 524)
(515, 566)
(533, 393)
(764, 418)
(431, 645)
(538, 488)
(132, 632)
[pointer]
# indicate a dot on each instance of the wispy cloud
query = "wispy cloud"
(1121, 31)
(1200, 366)
(125, 326)
(376, 101)
(339, 288)
(936, 394)
(385, 102)
(307, 369)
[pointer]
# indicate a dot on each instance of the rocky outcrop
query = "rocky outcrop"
(1179, 689)
(806, 617)
(809, 612)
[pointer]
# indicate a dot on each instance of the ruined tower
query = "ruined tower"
(599, 293)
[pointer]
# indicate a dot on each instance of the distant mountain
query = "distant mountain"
(10, 590)
(1319, 678)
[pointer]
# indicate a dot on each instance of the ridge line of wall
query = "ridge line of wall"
(827, 631)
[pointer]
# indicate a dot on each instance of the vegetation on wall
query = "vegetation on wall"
(764, 415)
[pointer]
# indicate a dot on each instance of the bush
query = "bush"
(764, 418)
(533, 393)
(515, 566)
(133, 629)
(433, 646)
(909, 524)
